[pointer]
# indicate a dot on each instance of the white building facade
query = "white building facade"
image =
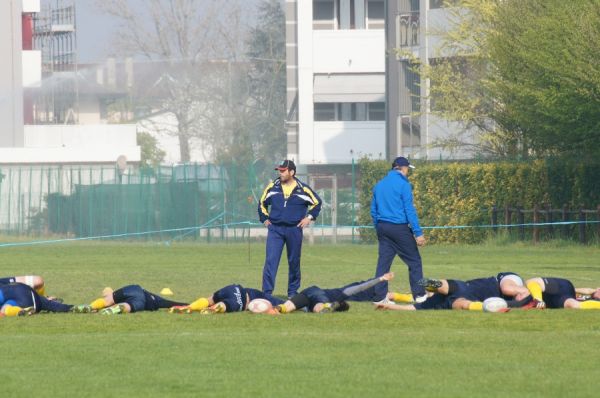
(349, 94)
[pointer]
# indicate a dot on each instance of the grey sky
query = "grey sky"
(95, 30)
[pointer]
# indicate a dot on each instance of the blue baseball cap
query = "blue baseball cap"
(401, 162)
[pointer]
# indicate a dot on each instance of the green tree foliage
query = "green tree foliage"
(524, 74)
(152, 155)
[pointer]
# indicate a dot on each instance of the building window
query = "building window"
(348, 14)
(324, 14)
(376, 110)
(375, 14)
(325, 112)
(349, 111)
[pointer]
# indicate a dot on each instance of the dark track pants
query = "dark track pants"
(277, 237)
(398, 239)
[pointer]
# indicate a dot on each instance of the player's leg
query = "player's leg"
(406, 247)
(464, 304)
(441, 286)
(293, 243)
(385, 257)
(536, 287)
(274, 248)
(18, 299)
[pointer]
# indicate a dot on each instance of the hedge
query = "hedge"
(449, 194)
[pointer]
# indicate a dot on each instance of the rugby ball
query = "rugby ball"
(260, 306)
(494, 304)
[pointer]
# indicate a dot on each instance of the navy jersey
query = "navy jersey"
(21, 295)
(6, 281)
(234, 297)
(141, 300)
(435, 302)
(557, 291)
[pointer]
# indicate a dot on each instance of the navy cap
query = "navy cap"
(402, 161)
(286, 165)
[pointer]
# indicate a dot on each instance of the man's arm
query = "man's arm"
(263, 213)
(315, 208)
(361, 287)
(374, 214)
(411, 212)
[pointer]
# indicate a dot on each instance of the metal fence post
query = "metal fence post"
(521, 221)
(536, 230)
(581, 226)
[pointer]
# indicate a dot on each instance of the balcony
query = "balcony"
(348, 51)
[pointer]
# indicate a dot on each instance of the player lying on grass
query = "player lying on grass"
(20, 299)
(560, 293)
(130, 298)
(468, 295)
(33, 281)
(231, 298)
(320, 300)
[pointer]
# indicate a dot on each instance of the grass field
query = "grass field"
(552, 353)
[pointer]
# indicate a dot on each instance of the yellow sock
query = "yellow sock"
(476, 306)
(590, 305)
(402, 297)
(98, 304)
(282, 308)
(41, 291)
(536, 290)
(11, 310)
(199, 304)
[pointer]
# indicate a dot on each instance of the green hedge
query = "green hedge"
(464, 193)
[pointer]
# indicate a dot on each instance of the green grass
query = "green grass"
(359, 353)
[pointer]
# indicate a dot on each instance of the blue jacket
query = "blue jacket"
(302, 201)
(393, 202)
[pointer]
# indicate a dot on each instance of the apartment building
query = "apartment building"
(350, 93)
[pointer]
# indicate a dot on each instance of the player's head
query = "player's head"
(402, 164)
(287, 169)
(342, 306)
(596, 294)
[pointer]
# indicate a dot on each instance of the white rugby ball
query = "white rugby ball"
(494, 304)
(259, 306)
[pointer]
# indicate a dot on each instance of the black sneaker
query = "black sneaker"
(431, 285)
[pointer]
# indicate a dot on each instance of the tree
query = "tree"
(523, 74)
(185, 36)
(152, 155)
(267, 78)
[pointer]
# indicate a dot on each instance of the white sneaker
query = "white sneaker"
(420, 299)
(385, 301)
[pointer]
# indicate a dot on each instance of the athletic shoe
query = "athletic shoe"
(431, 285)
(82, 309)
(326, 308)
(27, 311)
(180, 309)
(420, 299)
(383, 302)
(113, 310)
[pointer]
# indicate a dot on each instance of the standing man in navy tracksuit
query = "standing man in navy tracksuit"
(286, 206)
(397, 225)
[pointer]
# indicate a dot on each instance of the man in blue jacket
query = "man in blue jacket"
(285, 208)
(398, 230)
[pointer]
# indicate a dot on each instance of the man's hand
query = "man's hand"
(267, 223)
(304, 222)
(420, 240)
(387, 277)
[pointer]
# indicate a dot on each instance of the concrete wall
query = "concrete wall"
(11, 79)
